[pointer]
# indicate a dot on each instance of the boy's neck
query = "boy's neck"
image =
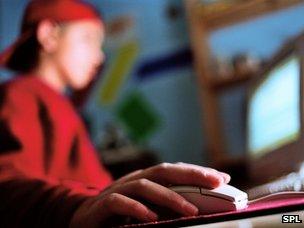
(50, 75)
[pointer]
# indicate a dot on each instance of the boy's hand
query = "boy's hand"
(150, 185)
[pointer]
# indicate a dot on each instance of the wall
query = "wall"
(160, 73)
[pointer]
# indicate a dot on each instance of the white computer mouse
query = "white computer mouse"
(221, 199)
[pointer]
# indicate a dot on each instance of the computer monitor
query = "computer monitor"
(275, 116)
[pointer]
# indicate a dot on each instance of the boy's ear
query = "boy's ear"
(47, 35)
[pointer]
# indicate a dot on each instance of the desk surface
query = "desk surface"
(260, 221)
(272, 211)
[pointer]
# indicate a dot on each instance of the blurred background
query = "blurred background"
(151, 102)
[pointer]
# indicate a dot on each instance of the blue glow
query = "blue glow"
(274, 110)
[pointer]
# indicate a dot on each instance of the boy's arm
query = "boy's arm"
(26, 199)
(35, 203)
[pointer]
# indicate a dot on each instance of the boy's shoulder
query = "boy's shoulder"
(20, 84)
(18, 88)
(17, 81)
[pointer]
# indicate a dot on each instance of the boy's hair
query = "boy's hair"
(25, 56)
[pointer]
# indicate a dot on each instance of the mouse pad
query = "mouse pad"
(255, 209)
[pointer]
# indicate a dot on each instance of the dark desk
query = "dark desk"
(257, 222)
(256, 214)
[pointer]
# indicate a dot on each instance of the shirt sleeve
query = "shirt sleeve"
(28, 199)
(35, 203)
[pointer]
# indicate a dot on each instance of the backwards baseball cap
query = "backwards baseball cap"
(55, 10)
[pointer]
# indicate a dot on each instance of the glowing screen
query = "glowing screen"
(274, 108)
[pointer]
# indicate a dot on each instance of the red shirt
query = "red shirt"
(48, 165)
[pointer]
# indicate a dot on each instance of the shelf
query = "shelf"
(203, 19)
(224, 83)
(217, 15)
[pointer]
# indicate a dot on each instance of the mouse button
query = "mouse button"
(227, 192)
(210, 204)
(185, 189)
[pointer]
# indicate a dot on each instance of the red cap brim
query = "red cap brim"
(8, 52)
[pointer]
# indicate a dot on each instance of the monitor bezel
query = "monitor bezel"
(287, 158)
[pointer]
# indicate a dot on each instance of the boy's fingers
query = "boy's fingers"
(224, 175)
(189, 174)
(183, 174)
(117, 204)
(159, 195)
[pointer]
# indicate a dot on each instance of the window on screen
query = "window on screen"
(274, 109)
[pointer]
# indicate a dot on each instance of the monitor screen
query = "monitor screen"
(273, 117)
